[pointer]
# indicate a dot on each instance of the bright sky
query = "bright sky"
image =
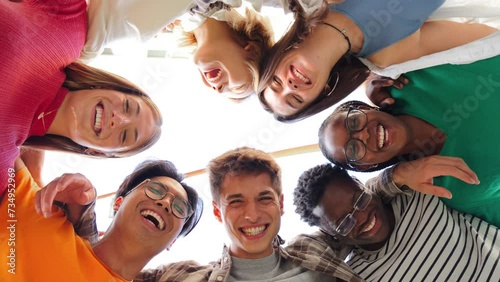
(198, 126)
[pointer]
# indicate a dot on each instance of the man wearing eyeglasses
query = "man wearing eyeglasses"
(153, 207)
(411, 237)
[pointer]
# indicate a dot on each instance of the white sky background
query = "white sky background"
(198, 126)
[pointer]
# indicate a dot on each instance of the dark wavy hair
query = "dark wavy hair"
(342, 108)
(352, 73)
(155, 168)
(310, 188)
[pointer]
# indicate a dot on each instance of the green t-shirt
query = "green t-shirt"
(464, 102)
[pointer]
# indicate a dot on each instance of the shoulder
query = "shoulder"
(179, 271)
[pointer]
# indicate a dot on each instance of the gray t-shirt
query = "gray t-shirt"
(273, 268)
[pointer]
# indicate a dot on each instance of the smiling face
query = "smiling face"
(148, 221)
(251, 211)
(373, 225)
(384, 137)
(108, 120)
(300, 77)
(222, 67)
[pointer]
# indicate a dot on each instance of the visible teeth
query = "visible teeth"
(300, 76)
(154, 218)
(254, 230)
(382, 136)
(371, 225)
(215, 78)
(98, 115)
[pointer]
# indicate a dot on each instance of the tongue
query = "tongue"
(212, 74)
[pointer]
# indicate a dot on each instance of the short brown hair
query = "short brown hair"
(242, 161)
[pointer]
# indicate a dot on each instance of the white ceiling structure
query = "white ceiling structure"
(198, 126)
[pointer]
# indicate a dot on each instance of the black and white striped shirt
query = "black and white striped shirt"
(432, 242)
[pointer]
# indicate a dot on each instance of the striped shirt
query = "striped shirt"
(431, 242)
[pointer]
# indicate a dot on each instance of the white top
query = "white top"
(140, 20)
(472, 11)
(432, 242)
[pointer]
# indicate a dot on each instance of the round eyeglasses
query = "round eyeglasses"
(355, 149)
(156, 190)
(348, 223)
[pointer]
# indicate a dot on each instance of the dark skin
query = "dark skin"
(377, 89)
(374, 224)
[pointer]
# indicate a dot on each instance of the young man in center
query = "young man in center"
(246, 190)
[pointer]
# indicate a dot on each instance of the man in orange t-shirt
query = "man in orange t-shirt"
(38, 242)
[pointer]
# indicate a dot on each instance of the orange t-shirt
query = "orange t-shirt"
(34, 248)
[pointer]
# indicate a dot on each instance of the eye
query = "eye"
(124, 136)
(276, 80)
(266, 200)
(297, 99)
(126, 106)
(353, 122)
(155, 190)
(234, 203)
(179, 207)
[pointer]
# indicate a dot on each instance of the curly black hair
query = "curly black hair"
(311, 187)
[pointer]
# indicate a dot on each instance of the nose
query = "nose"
(251, 213)
(218, 88)
(165, 202)
(292, 84)
(362, 135)
(118, 119)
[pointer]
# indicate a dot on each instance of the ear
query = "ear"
(216, 212)
(118, 203)
(282, 197)
(252, 51)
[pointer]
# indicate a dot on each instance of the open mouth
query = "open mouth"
(383, 136)
(154, 218)
(370, 225)
(254, 231)
(213, 75)
(98, 118)
(300, 76)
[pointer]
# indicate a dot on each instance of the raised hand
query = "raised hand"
(377, 92)
(68, 188)
(419, 174)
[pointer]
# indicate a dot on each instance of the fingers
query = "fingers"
(452, 166)
(47, 196)
(434, 190)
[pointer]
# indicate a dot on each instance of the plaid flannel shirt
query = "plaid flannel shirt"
(309, 251)
(86, 227)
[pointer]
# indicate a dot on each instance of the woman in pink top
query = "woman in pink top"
(49, 102)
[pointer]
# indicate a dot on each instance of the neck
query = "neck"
(124, 259)
(424, 137)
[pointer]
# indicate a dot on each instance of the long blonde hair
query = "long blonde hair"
(80, 76)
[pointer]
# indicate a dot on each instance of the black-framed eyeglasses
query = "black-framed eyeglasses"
(355, 149)
(349, 221)
(156, 190)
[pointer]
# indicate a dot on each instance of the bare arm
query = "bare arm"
(33, 159)
(432, 37)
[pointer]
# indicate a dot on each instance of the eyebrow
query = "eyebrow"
(234, 196)
(266, 192)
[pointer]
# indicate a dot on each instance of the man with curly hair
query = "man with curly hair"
(412, 237)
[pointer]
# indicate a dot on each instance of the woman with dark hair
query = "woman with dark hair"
(432, 115)
(51, 102)
(296, 72)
